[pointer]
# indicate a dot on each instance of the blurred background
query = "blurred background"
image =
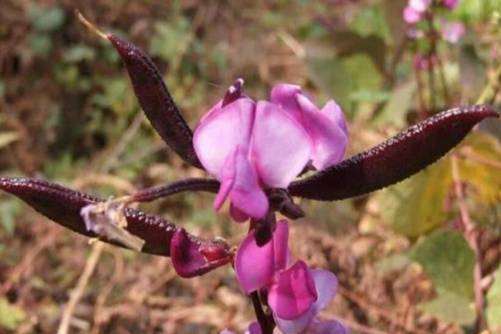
(68, 114)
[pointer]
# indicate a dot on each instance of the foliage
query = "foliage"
(66, 104)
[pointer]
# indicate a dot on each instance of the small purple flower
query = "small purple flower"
(414, 10)
(249, 146)
(411, 16)
(450, 4)
(296, 293)
(420, 5)
(452, 31)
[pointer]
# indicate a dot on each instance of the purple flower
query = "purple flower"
(452, 31)
(420, 5)
(296, 293)
(450, 4)
(414, 10)
(411, 16)
(249, 146)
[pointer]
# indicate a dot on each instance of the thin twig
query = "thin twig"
(471, 235)
(90, 265)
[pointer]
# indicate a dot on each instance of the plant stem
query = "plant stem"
(265, 321)
(492, 89)
(471, 235)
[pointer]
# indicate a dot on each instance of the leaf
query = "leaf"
(417, 205)
(47, 20)
(11, 316)
(450, 308)
(330, 75)
(494, 303)
(448, 262)
(9, 209)
(482, 153)
(398, 105)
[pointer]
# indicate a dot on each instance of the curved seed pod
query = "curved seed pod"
(395, 159)
(195, 184)
(64, 205)
(155, 99)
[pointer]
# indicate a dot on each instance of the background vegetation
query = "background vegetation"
(68, 114)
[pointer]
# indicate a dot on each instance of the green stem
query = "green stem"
(492, 89)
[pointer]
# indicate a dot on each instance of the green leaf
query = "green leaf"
(450, 307)
(9, 209)
(330, 75)
(494, 303)
(417, 205)
(11, 316)
(47, 20)
(398, 105)
(448, 262)
(481, 153)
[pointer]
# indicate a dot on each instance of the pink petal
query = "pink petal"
(280, 245)
(297, 325)
(327, 129)
(218, 134)
(452, 31)
(328, 327)
(325, 285)
(185, 254)
(246, 194)
(411, 16)
(253, 264)
(419, 5)
(280, 146)
(293, 292)
(284, 96)
(254, 328)
(334, 112)
(450, 4)
(237, 214)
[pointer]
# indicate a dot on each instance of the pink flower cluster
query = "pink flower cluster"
(251, 147)
(295, 292)
(416, 11)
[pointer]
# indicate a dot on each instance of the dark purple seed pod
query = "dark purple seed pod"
(63, 206)
(155, 99)
(395, 159)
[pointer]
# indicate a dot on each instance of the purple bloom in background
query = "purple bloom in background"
(452, 31)
(414, 10)
(249, 146)
(296, 293)
(420, 5)
(411, 16)
(450, 4)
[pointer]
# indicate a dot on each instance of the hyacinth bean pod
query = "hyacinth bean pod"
(395, 159)
(155, 99)
(195, 256)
